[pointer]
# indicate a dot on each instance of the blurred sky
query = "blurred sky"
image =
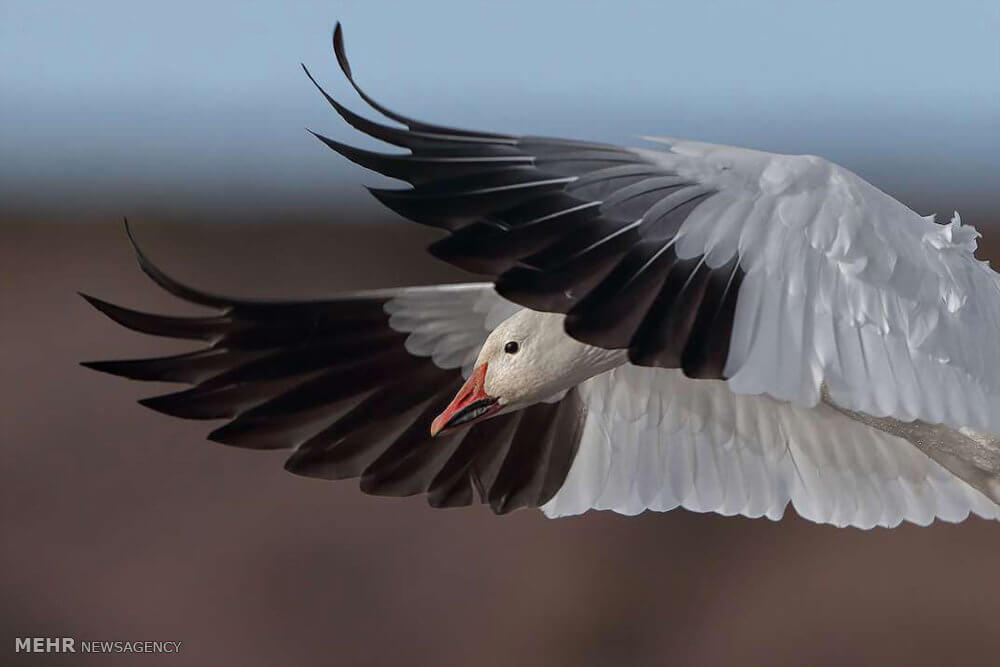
(118, 107)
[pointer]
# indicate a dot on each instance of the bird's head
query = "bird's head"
(528, 358)
(516, 367)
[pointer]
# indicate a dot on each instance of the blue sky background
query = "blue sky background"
(111, 107)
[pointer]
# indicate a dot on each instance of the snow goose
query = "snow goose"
(701, 326)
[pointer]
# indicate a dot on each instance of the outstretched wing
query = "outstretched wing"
(654, 439)
(774, 272)
(352, 384)
(567, 226)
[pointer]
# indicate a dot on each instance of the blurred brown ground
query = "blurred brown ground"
(122, 524)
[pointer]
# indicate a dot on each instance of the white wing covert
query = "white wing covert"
(845, 285)
(654, 439)
(448, 323)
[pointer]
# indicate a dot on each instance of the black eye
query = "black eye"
(511, 347)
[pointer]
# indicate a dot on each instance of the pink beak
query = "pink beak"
(471, 404)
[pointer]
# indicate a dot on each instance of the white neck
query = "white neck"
(569, 362)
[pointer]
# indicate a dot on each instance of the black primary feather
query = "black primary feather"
(333, 381)
(562, 226)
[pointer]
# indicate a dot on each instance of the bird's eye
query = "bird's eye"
(511, 347)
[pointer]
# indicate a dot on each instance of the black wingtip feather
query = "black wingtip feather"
(307, 463)
(103, 367)
(390, 135)
(393, 166)
(126, 368)
(399, 202)
(459, 494)
(188, 367)
(94, 301)
(296, 465)
(252, 434)
(190, 328)
(452, 250)
(345, 66)
(164, 404)
(338, 49)
(185, 405)
(109, 309)
(175, 287)
(352, 118)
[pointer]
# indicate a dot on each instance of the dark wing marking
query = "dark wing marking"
(332, 380)
(565, 226)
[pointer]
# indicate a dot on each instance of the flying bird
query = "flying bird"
(692, 325)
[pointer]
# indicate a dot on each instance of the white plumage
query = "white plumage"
(657, 440)
(847, 285)
(845, 346)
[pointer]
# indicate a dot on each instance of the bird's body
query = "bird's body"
(703, 326)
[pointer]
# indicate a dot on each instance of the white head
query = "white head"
(526, 359)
